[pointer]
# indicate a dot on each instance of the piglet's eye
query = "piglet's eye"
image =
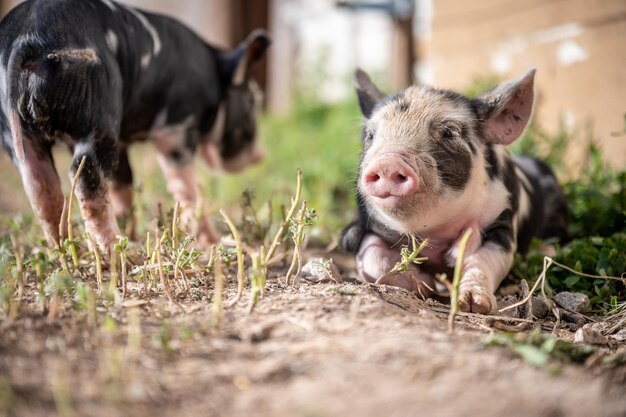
(449, 133)
(369, 136)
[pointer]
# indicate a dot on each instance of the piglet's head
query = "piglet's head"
(234, 145)
(423, 148)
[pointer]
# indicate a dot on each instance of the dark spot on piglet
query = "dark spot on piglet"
(176, 155)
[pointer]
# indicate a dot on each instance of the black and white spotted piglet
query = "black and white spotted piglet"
(98, 76)
(434, 163)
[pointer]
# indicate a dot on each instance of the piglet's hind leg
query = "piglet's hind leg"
(43, 188)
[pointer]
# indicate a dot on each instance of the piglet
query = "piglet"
(98, 76)
(434, 164)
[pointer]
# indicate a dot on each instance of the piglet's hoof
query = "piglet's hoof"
(474, 297)
(409, 280)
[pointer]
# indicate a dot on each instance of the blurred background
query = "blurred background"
(577, 46)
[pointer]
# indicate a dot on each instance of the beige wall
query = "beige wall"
(577, 46)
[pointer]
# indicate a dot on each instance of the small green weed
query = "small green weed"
(541, 349)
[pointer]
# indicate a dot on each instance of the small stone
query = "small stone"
(573, 301)
(587, 334)
(619, 336)
(320, 270)
(540, 308)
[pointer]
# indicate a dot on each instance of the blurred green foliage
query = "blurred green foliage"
(321, 139)
(597, 227)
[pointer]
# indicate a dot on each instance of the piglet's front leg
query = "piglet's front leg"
(181, 182)
(93, 190)
(483, 272)
(375, 261)
(488, 258)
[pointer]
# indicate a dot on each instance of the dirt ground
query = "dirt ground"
(328, 349)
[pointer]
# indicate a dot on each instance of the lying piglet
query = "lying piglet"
(434, 164)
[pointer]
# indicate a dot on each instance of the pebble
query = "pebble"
(573, 301)
(320, 270)
(540, 308)
(587, 334)
(619, 336)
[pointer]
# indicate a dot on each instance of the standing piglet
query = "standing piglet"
(98, 76)
(434, 164)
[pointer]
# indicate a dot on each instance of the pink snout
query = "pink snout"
(389, 176)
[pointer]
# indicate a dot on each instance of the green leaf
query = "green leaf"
(571, 280)
(532, 355)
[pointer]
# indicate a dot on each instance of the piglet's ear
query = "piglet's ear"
(367, 92)
(506, 109)
(236, 64)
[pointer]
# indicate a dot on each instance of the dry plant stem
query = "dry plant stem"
(456, 280)
(96, 255)
(258, 278)
(60, 242)
(69, 211)
(216, 319)
(177, 270)
(530, 292)
(123, 268)
(164, 283)
(297, 240)
(620, 323)
(445, 310)
(63, 216)
(19, 265)
(175, 223)
(240, 258)
(582, 274)
(147, 274)
(114, 275)
(283, 225)
(211, 262)
(92, 312)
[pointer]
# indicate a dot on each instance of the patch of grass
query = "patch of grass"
(596, 224)
(322, 140)
(541, 349)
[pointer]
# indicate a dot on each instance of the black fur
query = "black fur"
(111, 95)
(500, 232)
(492, 165)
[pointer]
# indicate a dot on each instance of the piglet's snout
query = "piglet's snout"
(389, 176)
